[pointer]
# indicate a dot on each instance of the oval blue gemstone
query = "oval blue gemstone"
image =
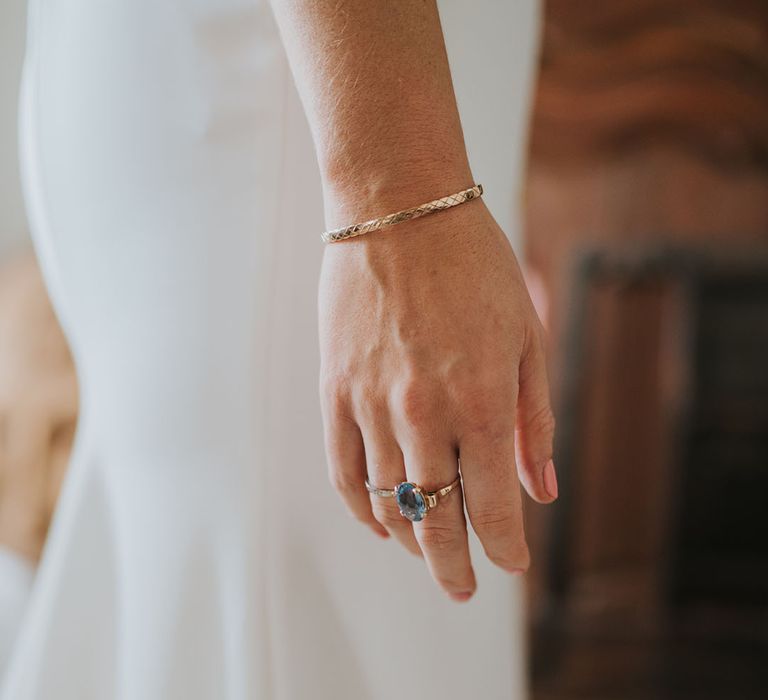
(410, 502)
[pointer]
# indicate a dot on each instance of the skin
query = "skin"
(432, 356)
(38, 408)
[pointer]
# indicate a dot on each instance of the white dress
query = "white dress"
(198, 551)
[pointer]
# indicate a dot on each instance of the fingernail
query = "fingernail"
(550, 479)
(517, 572)
(381, 533)
(461, 597)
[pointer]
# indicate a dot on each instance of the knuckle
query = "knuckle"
(369, 403)
(416, 400)
(501, 533)
(439, 538)
(487, 407)
(496, 523)
(492, 427)
(343, 482)
(389, 516)
(334, 395)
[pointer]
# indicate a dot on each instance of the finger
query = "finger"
(493, 499)
(442, 534)
(386, 469)
(346, 469)
(535, 427)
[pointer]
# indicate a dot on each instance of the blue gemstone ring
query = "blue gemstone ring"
(413, 501)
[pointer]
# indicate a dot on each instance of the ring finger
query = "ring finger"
(442, 534)
(385, 470)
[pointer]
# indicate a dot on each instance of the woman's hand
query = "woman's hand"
(431, 349)
(432, 352)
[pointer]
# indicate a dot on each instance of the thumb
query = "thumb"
(535, 427)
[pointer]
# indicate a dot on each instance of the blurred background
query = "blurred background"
(646, 243)
(647, 222)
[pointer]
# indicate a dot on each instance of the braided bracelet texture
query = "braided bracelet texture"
(451, 200)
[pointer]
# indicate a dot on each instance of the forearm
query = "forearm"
(374, 79)
(431, 352)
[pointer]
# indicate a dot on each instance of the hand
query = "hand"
(432, 352)
(38, 408)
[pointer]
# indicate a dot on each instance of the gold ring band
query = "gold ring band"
(413, 500)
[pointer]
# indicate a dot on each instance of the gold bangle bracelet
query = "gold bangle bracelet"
(451, 200)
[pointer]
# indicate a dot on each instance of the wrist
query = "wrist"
(376, 194)
(436, 236)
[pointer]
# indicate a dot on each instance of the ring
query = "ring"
(413, 501)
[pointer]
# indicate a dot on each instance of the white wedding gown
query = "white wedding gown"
(198, 551)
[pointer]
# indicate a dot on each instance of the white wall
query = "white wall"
(13, 224)
(492, 49)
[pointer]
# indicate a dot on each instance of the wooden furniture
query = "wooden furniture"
(657, 582)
